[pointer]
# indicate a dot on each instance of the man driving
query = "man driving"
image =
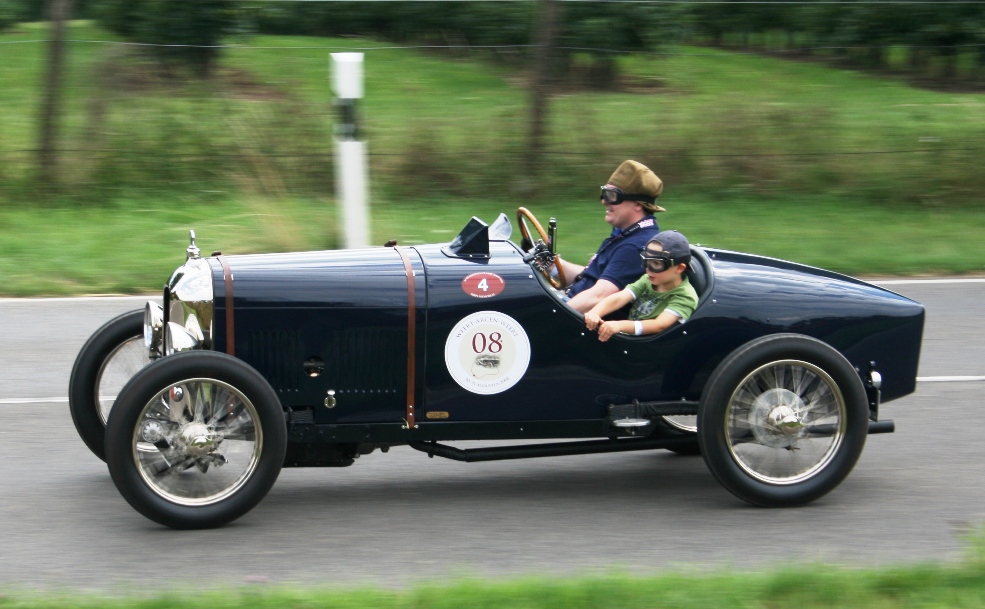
(629, 199)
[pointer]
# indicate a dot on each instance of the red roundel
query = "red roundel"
(483, 285)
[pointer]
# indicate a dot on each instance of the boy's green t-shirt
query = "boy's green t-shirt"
(650, 303)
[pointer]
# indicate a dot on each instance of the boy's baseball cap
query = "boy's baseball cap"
(674, 244)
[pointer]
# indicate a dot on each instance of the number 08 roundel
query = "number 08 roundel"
(487, 352)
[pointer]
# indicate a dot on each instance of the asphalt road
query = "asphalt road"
(399, 518)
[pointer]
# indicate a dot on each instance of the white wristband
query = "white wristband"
(639, 327)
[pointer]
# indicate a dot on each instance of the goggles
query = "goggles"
(613, 195)
(656, 262)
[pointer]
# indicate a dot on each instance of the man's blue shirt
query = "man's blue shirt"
(618, 258)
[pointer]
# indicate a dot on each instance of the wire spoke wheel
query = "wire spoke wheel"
(782, 420)
(682, 422)
(116, 371)
(197, 442)
(771, 417)
(113, 355)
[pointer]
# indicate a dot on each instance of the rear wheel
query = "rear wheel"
(782, 420)
(196, 440)
(109, 359)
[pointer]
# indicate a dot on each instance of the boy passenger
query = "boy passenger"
(662, 297)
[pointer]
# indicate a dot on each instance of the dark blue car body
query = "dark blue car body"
(253, 363)
(349, 310)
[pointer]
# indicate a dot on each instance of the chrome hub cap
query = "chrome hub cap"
(776, 418)
(198, 439)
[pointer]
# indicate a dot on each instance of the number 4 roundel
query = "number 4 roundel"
(483, 285)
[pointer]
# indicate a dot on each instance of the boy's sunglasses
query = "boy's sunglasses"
(614, 195)
(656, 262)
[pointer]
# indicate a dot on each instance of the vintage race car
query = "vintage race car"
(258, 362)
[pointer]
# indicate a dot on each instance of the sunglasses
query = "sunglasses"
(656, 262)
(613, 195)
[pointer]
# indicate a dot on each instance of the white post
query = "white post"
(351, 168)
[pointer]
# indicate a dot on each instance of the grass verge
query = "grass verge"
(134, 247)
(804, 587)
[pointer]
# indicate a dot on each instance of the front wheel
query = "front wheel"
(782, 420)
(196, 440)
(109, 359)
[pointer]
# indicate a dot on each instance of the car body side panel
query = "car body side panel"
(348, 308)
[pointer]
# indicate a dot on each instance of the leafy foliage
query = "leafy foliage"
(186, 31)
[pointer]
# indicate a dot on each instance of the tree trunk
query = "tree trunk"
(47, 157)
(550, 11)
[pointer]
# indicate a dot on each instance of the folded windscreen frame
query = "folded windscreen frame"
(471, 242)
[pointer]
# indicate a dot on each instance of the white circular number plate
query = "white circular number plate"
(487, 352)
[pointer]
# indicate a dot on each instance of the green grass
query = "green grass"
(834, 234)
(804, 587)
(133, 248)
(705, 120)
(753, 150)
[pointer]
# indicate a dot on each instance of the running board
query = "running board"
(556, 449)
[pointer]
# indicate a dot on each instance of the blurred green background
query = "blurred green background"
(847, 137)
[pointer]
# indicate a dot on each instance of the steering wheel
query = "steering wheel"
(522, 215)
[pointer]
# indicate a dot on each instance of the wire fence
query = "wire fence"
(467, 47)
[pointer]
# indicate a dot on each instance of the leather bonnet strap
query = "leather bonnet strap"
(227, 276)
(411, 336)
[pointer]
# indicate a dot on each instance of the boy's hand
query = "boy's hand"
(608, 328)
(592, 320)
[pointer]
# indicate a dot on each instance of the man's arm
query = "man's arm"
(584, 301)
(571, 270)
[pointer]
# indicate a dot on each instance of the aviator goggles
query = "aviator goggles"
(613, 195)
(656, 262)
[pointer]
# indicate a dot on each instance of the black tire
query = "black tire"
(111, 356)
(681, 427)
(782, 420)
(185, 416)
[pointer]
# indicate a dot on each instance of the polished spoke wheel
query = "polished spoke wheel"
(107, 362)
(683, 425)
(197, 442)
(772, 417)
(782, 420)
(682, 422)
(116, 371)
